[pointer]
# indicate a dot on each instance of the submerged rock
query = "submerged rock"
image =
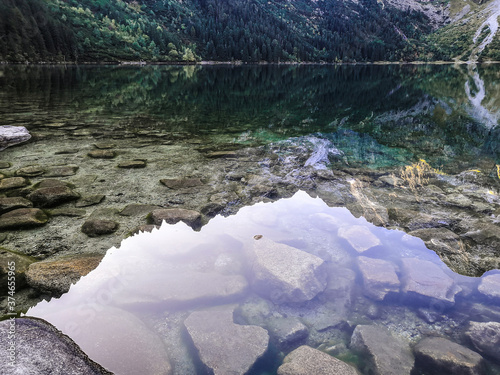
(490, 286)
(131, 164)
(308, 361)
(30, 171)
(23, 218)
(384, 353)
(90, 200)
(174, 215)
(285, 274)
(42, 349)
(224, 347)
(486, 338)
(12, 203)
(181, 183)
(102, 154)
(437, 356)
(13, 135)
(61, 171)
(98, 227)
(13, 183)
(287, 332)
(379, 277)
(359, 237)
(21, 266)
(52, 196)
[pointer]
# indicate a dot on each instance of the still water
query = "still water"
(130, 313)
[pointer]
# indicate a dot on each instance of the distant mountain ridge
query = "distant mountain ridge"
(245, 30)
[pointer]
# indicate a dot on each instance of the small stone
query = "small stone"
(437, 356)
(181, 183)
(174, 215)
(30, 171)
(52, 196)
(379, 277)
(13, 183)
(102, 154)
(97, 227)
(486, 338)
(61, 171)
(489, 286)
(23, 218)
(359, 237)
(104, 146)
(90, 200)
(132, 164)
(308, 361)
(12, 203)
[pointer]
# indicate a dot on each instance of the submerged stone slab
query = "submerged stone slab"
(181, 183)
(90, 200)
(42, 349)
(13, 135)
(174, 215)
(224, 347)
(21, 266)
(23, 218)
(359, 237)
(132, 164)
(486, 338)
(437, 356)
(490, 286)
(285, 274)
(379, 277)
(384, 354)
(30, 171)
(52, 196)
(308, 361)
(61, 171)
(13, 183)
(97, 227)
(102, 154)
(287, 332)
(12, 203)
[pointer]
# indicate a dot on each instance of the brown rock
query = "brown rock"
(12, 203)
(98, 227)
(52, 196)
(23, 218)
(102, 154)
(181, 183)
(13, 183)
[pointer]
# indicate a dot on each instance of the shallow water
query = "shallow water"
(128, 314)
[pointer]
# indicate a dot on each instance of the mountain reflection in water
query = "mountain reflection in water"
(129, 313)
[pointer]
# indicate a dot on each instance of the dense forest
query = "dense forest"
(218, 30)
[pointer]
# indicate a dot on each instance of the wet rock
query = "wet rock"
(174, 215)
(97, 227)
(61, 171)
(483, 232)
(181, 183)
(390, 180)
(223, 346)
(262, 190)
(425, 279)
(379, 277)
(42, 349)
(413, 220)
(437, 355)
(4, 164)
(23, 218)
(441, 240)
(287, 332)
(21, 266)
(52, 196)
(458, 200)
(69, 212)
(13, 183)
(306, 360)
(104, 145)
(137, 209)
(221, 154)
(212, 209)
(384, 353)
(90, 200)
(131, 164)
(359, 237)
(57, 276)
(102, 154)
(30, 171)
(285, 274)
(11, 203)
(50, 183)
(486, 338)
(490, 286)
(13, 135)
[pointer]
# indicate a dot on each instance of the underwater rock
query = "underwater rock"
(223, 346)
(379, 277)
(174, 215)
(21, 265)
(135, 209)
(61, 171)
(11, 203)
(13, 135)
(13, 183)
(437, 356)
(490, 286)
(181, 183)
(132, 164)
(287, 332)
(486, 338)
(102, 154)
(58, 275)
(384, 354)
(90, 200)
(359, 237)
(306, 360)
(285, 274)
(30, 171)
(69, 212)
(22, 218)
(98, 227)
(413, 220)
(52, 196)
(42, 349)
(4, 164)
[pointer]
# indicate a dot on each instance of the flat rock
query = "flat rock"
(69, 212)
(61, 171)
(13, 183)
(90, 200)
(104, 145)
(102, 154)
(138, 209)
(11, 203)
(285, 274)
(57, 276)
(131, 164)
(99, 227)
(50, 182)
(30, 171)
(486, 338)
(287, 332)
(379, 277)
(181, 183)
(384, 354)
(221, 154)
(437, 356)
(4, 165)
(425, 279)
(13, 135)
(413, 220)
(174, 215)
(223, 346)
(52, 196)
(23, 218)
(42, 349)
(359, 237)
(22, 263)
(308, 361)
(490, 286)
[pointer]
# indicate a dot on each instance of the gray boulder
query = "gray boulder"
(437, 355)
(308, 361)
(490, 286)
(486, 338)
(285, 274)
(359, 237)
(224, 347)
(174, 215)
(23, 218)
(13, 135)
(384, 354)
(42, 349)
(379, 277)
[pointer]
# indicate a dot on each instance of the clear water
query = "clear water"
(128, 313)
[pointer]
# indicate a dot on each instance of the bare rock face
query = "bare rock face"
(437, 355)
(224, 347)
(379, 277)
(486, 338)
(13, 135)
(306, 360)
(42, 349)
(285, 274)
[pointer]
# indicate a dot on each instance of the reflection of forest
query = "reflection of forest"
(417, 107)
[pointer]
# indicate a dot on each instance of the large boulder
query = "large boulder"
(384, 354)
(42, 349)
(486, 338)
(437, 355)
(13, 135)
(224, 347)
(308, 361)
(23, 218)
(359, 237)
(379, 277)
(285, 274)
(52, 196)
(174, 215)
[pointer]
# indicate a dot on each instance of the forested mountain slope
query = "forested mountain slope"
(224, 30)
